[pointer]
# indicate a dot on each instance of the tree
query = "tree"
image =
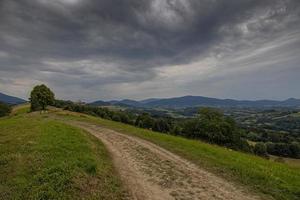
(124, 118)
(295, 149)
(271, 148)
(217, 128)
(161, 125)
(210, 114)
(144, 121)
(40, 97)
(116, 118)
(176, 130)
(191, 129)
(260, 149)
(4, 109)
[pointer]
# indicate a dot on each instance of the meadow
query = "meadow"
(44, 159)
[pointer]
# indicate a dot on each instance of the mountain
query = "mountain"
(124, 103)
(291, 102)
(10, 99)
(149, 100)
(129, 103)
(193, 101)
(100, 103)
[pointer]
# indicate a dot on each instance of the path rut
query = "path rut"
(151, 172)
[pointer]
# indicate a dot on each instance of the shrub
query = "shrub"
(295, 150)
(260, 149)
(4, 109)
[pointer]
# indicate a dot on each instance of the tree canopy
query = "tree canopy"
(40, 97)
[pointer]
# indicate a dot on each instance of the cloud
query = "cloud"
(139, 48)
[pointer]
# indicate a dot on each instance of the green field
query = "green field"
(269, 178)
(44, 159)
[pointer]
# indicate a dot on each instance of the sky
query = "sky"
(116, 49)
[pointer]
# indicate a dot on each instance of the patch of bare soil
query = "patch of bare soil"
(151, 172)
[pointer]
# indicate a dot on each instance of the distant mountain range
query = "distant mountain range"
(179, 102)
(194, 101)
(10, 99)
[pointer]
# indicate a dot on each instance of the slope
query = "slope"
(44, 159)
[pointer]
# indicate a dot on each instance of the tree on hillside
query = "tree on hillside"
(161, 125)
(213, 126)
(218, 128)
(40, 97)
(4, 109)
(260, 149)
(144, 121)
(295, 149)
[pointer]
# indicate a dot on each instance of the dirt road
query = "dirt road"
(150, 172)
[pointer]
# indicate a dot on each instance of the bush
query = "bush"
(294, 150)
(144, 121)
(243, 145)
(116, 118)
(260, 149)
(161, 125)
(4, 109)
(214, 127)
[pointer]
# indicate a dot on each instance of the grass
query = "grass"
(21, 109)
(268, 178)
(44, 159)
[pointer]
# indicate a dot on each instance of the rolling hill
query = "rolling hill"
(10, 99)
(100, 103)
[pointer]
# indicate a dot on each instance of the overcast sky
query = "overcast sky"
(114, 49)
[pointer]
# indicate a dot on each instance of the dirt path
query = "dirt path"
(151, 172)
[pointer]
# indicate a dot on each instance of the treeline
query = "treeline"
(275, 143)
(210, 125)
(5, 109)
(284, 149)
(278, 149)
(105, 113)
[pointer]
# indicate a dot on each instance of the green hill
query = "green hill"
(44, 159)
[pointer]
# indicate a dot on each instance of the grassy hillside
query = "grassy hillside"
(20, 109)
(270, 178)
(45, 159)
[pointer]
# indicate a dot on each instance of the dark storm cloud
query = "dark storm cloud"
(88, 44)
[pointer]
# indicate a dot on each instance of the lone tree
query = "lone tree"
(40, 97)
